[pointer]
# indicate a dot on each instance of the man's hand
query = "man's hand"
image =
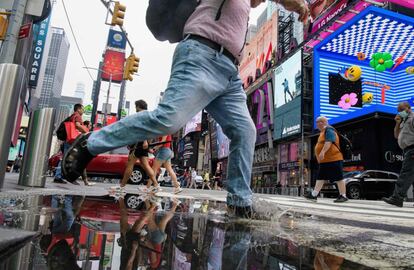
(398, 119)
(298, 6)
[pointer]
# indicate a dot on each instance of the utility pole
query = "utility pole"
(107, 101)
(10, 43)
(121, 99)
(97, 87)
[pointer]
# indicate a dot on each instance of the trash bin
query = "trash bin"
(36, 155)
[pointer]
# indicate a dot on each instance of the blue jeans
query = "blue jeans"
(164, 154)
(200, 78)
(63, 218)
(58, 173)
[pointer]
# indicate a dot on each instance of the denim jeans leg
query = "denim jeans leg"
(197, 77)
(231, 112)
(58, 173)
(406, 178)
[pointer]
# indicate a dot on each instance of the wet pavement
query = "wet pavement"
(144, 231)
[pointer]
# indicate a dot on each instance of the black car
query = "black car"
(369, 184)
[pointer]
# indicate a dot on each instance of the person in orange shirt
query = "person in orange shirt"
(330, 161)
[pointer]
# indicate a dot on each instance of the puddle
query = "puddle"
(149, 232)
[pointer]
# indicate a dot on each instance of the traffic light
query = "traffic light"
(131, 67)
(3, 27)
(118, 15)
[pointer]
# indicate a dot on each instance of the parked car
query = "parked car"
(110, 165)
(369, 184)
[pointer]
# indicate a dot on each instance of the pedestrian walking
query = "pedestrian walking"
(17, 164)
(330, 159)
(204, 74)
(163, 158)
(139, 151)
(404, 133)
(193, 182)
(206, 180)
(76, 118)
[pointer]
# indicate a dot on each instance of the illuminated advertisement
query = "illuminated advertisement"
(259, 50)
(260, 104)
(223, 143)
(194, 124)
(288, 97)
(113, 66)
(322, 11)
(361, 70)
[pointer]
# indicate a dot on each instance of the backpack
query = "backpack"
(166, 18)
(61, 130)
(345, 145)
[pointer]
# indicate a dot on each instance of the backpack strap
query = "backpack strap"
(337, 133)
(218, 15)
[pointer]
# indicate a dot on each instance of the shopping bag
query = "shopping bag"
(71, 132)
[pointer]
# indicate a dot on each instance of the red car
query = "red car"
(110, 165)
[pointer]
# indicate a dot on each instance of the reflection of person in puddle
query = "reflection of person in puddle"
(327, 261)
(145, 234)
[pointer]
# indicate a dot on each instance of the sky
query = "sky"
(88, 21)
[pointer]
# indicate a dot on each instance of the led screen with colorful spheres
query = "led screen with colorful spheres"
(366, 67)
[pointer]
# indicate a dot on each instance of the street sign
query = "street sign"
(25, 30)
(116, 39)
(39, 33)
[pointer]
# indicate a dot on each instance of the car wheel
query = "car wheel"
(354, 192)
(133, 201)
(137, 176)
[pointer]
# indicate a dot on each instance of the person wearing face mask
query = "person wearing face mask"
(404, 133)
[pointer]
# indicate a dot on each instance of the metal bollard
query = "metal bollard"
(36, 155)
(11, 83)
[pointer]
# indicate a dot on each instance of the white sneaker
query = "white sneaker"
(155, 189)
(177, 190)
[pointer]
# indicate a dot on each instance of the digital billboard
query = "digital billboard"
(260, 104)
(352, 79)
(223, 143)
(113, 66)
(288, 97)
(194, 124)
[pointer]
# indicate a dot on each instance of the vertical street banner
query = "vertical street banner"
(113, 66)
(39, 36)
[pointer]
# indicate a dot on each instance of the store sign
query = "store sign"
(321, 14)
(190, 151)
(392, 157)
(24, 31)
(288, 97)
(288, 166)
(116, 39)
(113, 66)
(39, 35)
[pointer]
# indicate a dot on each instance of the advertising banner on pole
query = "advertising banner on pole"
(116, 39)
(39, 36)
(113, 66)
